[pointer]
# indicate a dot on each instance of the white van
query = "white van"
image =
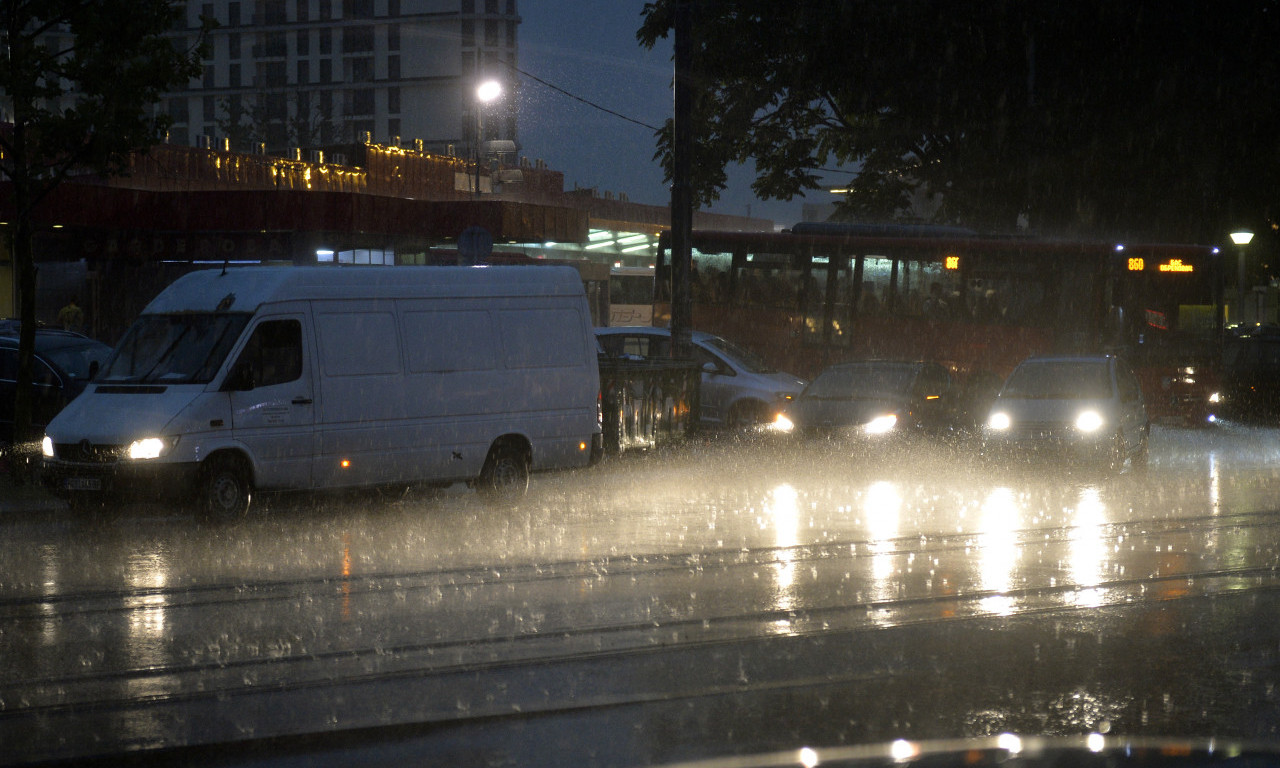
(277, 378)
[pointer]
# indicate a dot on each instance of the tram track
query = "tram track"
(570, 640)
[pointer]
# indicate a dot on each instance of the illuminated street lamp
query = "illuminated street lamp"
(487, 92)
(1241, 237)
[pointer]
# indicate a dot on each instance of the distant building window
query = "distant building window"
(393, 126)
(273, 12)
(490, 6)
(393, 7)
(272, 74)
(393, 37)
(326, 42)
(233, 43)
(304, 72)
(468, 33)
(303, 43)
(357, 9)
(208, 109)
(393, 67)
(303, 10)
(326, 10)
(361, 102)
(393, 100)
(233, 14)
(491, 32)
(357, 40)
(360, 70)
(209, 79)
(326, 71)
(233, 78)
(274, 44)
(179, 110)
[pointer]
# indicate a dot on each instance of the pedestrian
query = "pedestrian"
(71, 317)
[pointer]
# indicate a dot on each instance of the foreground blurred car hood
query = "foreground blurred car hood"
(844, 411)
(1091, 751)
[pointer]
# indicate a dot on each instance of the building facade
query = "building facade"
(286, 75)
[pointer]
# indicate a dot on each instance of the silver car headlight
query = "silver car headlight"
(881, 424)
(1089, 421)
(46, 447)
(999, 421)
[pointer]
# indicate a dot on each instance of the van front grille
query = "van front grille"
(88, 452)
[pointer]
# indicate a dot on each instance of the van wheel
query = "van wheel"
(223, 490)
(505, 475)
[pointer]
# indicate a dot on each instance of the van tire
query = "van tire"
(223, 489)
(505, 475)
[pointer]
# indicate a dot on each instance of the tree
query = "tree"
(1088, 117)
(80, 80)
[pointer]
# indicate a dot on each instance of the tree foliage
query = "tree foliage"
(1092, 116)
(79, 81)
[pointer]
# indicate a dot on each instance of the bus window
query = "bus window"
(630, 296)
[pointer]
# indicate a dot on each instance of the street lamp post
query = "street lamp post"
(487, 92)
(1241, 238)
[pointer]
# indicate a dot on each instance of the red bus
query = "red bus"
(825, 293)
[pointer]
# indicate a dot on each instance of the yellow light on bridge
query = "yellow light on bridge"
(951, 262)
(1176, 265)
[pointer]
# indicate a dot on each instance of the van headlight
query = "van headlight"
(999, 421)
(46, 447)
(150, 447)
(1089, 421)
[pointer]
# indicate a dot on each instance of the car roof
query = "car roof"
(652, 330)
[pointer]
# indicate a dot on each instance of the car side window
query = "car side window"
(1128, 383)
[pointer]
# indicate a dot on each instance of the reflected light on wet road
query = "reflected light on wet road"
(1088, 552)
(783, 509)
(998, 548)
(882, 511)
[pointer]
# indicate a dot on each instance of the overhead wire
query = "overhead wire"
(576, 97)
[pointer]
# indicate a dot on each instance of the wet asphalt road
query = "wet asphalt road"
(723, 597)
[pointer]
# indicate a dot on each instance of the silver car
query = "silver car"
(1080, 408)
(738, 388)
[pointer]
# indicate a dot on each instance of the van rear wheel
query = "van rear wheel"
(223, 490)
(505, 474)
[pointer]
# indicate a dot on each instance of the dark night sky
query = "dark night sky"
(588, 47)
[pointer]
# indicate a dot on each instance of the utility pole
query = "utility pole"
(682, 185)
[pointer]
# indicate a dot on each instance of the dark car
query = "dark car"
(1251, 373)
(64, 363)
(1078, 408)
(876, 397)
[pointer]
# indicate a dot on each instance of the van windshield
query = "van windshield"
(186, 348)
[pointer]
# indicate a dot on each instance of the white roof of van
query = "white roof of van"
(244, 289)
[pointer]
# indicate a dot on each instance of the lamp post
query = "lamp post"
(1241, 238)
(487, 92)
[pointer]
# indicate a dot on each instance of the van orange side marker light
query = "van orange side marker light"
(345, 463)
(582, 446)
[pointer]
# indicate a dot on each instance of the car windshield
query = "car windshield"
(1059, 380)
(862, 380)
(749, 361)
(75, 356)
(186, 348)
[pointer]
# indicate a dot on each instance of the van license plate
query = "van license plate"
(83, 484)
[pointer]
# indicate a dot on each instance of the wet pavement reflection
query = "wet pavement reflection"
(681, 597)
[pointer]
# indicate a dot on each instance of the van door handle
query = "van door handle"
(302, 401)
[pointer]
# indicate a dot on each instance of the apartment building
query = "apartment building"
(285, 74)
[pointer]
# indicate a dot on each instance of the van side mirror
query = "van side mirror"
(710, 367)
